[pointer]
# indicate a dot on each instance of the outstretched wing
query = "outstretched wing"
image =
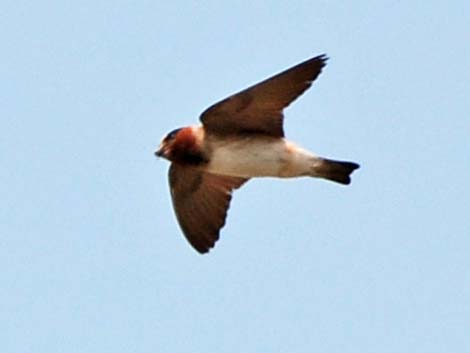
(258, 109)
(201, 201)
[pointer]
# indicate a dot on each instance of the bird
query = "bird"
(241, 137)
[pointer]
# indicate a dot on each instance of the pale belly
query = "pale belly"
(259, 157)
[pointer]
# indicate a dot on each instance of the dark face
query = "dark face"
(162, 150)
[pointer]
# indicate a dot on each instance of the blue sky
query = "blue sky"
(92, 257)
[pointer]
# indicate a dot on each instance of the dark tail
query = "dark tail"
(335, 170)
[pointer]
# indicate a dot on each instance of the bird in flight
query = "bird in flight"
(241, 137)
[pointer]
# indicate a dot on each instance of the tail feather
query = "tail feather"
(337, 171)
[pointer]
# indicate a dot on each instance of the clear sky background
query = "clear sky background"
(91, 256)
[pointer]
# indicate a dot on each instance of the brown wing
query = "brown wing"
(201, 201)
(258, 109)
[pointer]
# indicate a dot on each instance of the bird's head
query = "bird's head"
(166, 146)
(181, 145)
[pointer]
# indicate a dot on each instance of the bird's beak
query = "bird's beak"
(159, 152)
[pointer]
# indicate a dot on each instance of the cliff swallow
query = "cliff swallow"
(241, 137)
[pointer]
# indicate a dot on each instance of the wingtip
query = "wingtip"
(324, 58)
(200, 247)
(319, 59)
